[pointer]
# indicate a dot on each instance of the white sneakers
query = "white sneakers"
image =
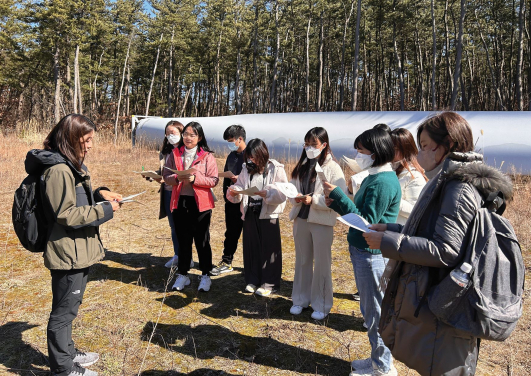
(184, 280)
(204, 283)
(296, 310)
(316, 315)
(250, 288)
(180, 282)
(365, 367)
(174, 261)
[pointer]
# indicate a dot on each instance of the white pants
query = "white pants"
(313, 265)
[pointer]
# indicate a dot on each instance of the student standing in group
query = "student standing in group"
(377, 201)
(431, 244)
(410, 174)
(192, 202)
(262, 247)
(74, 243)
(313, 226)
(235, 136)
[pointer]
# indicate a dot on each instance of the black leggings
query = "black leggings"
(191, 226)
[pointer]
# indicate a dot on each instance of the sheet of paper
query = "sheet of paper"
(355, 221)
(226, 174)
(320, 172)
(149, 174)
(190, 171)
(288, 189)
(129, 198)
(249, 191)
(352, 164)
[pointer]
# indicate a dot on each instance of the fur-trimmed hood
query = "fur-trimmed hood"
(469, 168)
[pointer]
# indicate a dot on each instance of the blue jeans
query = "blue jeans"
(368, 269)
(167, 201)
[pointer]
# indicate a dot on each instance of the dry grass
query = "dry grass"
(221, 332)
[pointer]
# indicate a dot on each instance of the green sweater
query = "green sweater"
(377, 200)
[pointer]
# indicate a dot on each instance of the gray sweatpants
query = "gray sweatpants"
(313, 265)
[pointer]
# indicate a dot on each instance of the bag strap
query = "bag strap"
(495, 202)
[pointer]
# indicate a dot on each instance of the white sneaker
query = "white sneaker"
(173, 262)
(375, 372)
(316, 315)
(250, 288)
(262, 291)
(180, 282)
(361, 364)
(296, 310)
(205, 283)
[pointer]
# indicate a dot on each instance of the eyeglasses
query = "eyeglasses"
(190, 135)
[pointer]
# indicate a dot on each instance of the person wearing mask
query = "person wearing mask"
(262, 246)
(313, 226)
(192, 201)
(74, 213)
(172, 137)
(235, 136)
(410, 174)
(377, 201)
(431, 244)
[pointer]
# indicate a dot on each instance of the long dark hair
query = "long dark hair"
(198, 130)
(256, 149)
(302, 169)
(166, 146)
(405, 145)
(378, 142)
(64, 137)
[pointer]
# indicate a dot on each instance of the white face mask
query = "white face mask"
(312, 152)
(364, 160)
(232, 146)
(427, 160)
(173, 138)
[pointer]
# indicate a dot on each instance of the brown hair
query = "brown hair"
(64, 137)
(300, 170)
(166, 146)
(446, 128)
(405, 145)
(256, 149)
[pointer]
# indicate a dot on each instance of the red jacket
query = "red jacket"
(206, 177)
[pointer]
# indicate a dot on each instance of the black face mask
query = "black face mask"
(251, 166)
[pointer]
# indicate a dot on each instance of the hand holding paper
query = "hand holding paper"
(149, 174)
(252, 191)
(129, 198)
(182, 173)
(356, 221)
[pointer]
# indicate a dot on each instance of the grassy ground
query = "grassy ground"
(140, 328)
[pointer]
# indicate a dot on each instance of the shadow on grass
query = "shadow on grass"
(197, 372)
(18, 356)
(210, 341)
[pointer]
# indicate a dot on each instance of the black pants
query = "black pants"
(233, 225)
(68, 287)
(262, 250)
(191, 226)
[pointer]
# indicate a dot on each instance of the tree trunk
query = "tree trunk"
(434, 59)
(343, 46)
(321, 43)
(459, 53)
(399, 66)
(127, 85)
(255, 66)
(152, 76)
(237, 94)
(272, 95)
(57, 79)
(447, 52)
(120, 93)
(356, 59)
(519, 98)
(170, 79)
(308, 64)
(95, 102)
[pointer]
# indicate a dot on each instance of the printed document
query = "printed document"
(352, 164)
(355, 221)
(129, 198)
(320, 172)
(149, 174)
(289, 190)
(249, 191)
(190, 171)
(226, 174)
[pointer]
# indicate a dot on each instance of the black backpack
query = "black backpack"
(490, 305)
(28, 215)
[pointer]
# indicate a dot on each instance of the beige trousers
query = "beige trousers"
(312, 283)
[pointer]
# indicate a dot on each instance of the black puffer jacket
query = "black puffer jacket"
(428, 247)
